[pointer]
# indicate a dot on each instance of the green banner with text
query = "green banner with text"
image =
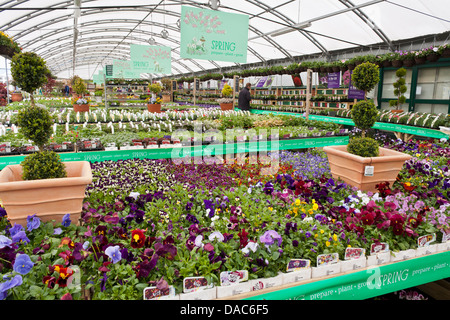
(371, 282)
(151, 59)
(213, 35)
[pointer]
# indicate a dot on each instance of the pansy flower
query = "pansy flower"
(137, 238)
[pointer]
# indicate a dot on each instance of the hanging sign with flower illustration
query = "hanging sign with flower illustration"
(123, 69)
(213, 35)
(151, 59)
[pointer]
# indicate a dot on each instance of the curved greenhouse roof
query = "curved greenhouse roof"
(82, 36)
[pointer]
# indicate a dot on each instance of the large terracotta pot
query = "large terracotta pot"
(16, 97)
(397, 111)
(350, 168)
(154, 107)
(81, 107)
(226, 106)
(49, 199)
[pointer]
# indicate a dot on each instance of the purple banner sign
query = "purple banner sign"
(261, 82)
(334, 80)
(354, 93)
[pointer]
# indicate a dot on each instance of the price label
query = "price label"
(368, 171)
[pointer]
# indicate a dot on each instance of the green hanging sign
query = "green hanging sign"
(213, 35)
(123, 69)
(151, 59)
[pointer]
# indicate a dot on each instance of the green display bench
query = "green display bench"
(191, 151)
(364, 284)
(400, 128)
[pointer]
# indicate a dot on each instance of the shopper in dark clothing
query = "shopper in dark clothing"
(245, 98)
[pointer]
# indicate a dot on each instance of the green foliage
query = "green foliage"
(364, 114)
(227, 91)
(154, 88)
(35, 124)
(29, 71)
(399, 88)
(363, 147)
(79, 86)
(366, 76)
(43, 165)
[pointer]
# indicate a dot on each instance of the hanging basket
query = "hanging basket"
(432, 57)
(397, 63)
(6, 52)
(408, 63)
(420, 60)
(446, 53)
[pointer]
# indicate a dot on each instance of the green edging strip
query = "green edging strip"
(425, 132)
(369, 283)
(192, 151)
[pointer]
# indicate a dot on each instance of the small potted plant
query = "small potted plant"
(363, 163)
(42, 184)
(399, 90)
(226, 102)
(79, 101)
(154, 102)
(167, 85)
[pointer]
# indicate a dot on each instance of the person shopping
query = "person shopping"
(245, 98)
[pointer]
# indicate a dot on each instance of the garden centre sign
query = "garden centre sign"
(124, 69)
(151, 59)
(213, 35)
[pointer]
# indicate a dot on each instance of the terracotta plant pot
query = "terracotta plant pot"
(350, 168)
(154, 108)
(397, 111)
(226, 106)
(81, 107)
(49, 199)
(16, 97)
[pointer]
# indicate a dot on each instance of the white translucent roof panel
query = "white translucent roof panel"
(104, 29)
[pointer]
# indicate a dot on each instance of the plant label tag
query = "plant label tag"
(233, 277)
(153, 293)
(379, 247)
(298, 264)
(426, 240)
(354, 253)
(445, 235)
(327, 259)
(191, 284)
(368, 171)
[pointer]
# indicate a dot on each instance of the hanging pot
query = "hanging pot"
(432, 57)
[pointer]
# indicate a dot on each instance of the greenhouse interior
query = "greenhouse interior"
(225, 150)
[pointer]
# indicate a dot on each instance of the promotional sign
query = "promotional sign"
(109, 70)
(353, 92)
(334, 80)
(261, 82)
(213, 35)
(124, 69)
(151, 59)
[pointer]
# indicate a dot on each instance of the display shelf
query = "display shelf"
(418, 131)
(364, 283)
(190, 151)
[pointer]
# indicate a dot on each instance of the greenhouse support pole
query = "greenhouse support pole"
(7, 81)
(104, 89)
(308, 91)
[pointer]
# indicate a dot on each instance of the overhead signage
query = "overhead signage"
(151, 59)
(213, 35)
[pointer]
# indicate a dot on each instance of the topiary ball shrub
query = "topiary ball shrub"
(366, 76)
(364, 114)
(35, 124)
(43, 165)
(29, 72)
(363, 147)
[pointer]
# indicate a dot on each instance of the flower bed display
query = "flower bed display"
(154, 223)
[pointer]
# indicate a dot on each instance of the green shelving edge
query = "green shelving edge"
(192, 151)
(370, 282)
(425, 132)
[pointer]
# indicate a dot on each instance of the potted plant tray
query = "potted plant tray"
(49, 199)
